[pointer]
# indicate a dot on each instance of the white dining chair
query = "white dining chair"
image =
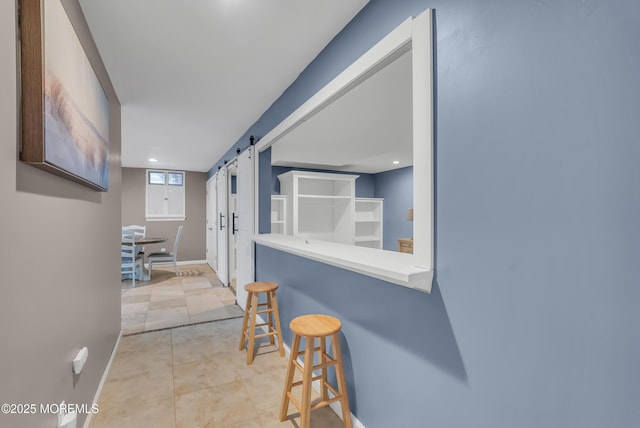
(130, 260)
(139, 232)
(165, 257)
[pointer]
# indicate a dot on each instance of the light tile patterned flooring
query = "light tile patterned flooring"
(166, 374)
(195, 377)
(167, 300)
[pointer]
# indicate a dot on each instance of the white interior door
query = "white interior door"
(231, 239)
(245, 223)
(212, 245)
(231, 222)
(221, 219)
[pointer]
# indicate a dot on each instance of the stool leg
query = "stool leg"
(324, 392)
(305, 405)
(288, 382)
(278, 331)
(342, 382)
(245, 321)
(252, 328)
(270, 313)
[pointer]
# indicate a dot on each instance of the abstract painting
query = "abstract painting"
(65, 112)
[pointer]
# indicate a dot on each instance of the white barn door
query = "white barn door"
(221, 219)
(212, 245)
(245, 223)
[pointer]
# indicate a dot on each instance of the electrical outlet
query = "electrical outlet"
(61, 413)
(66, 420)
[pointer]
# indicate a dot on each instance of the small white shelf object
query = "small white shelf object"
(321, 205)
(368, 222)
(279, 214)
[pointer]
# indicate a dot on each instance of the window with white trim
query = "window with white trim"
(165, 195)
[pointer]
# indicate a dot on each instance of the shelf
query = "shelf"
(397, 268)
(368, 222)
(321, 205)
(278, 214)
(323, 196)
(367, 238)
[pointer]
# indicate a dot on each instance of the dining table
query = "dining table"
(142, 241)
(149, 240)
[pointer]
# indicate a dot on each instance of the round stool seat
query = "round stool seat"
(261, 287)
(315, 325)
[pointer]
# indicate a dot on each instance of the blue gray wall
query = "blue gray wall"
(533, 319)
(396, 187)
(265, 186)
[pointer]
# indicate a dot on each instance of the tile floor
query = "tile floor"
(167, 300)
(195, 376)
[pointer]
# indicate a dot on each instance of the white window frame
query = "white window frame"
(410, 270)
(165, 215)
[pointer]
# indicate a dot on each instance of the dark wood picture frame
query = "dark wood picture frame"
(64, 120)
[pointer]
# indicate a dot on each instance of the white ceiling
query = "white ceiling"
(364, 130)
(192, 76)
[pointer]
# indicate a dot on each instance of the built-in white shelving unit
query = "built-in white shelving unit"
(322, 205)
(279, 214)
(368, 222)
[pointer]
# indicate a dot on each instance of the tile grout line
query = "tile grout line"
(181, 325)
(173, 382)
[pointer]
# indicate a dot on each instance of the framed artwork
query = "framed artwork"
(64, 110)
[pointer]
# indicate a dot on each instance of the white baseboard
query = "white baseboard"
(335, 406)
(192, 262)
(103, 380)
(182, 263)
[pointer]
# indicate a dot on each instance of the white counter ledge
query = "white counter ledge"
(391, 266)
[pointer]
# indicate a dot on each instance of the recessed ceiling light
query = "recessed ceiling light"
(153, 160)
(396, 162)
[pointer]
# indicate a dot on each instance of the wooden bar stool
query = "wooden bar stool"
(311, 327)
(252, 310)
